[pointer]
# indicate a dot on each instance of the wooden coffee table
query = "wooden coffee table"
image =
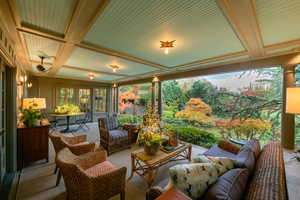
(147, 166)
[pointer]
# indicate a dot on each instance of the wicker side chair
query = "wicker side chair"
(77, 144)
(113, 138)
(90, 176)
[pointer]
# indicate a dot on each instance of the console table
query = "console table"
(32, 145)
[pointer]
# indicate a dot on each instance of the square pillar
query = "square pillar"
(287, 120)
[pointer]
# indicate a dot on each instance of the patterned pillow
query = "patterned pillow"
(223, 164)
(193, 179)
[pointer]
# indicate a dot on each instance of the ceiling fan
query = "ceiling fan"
(41, 67)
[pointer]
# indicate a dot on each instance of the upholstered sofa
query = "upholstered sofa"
(260, 174)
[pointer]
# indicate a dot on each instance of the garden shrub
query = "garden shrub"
(129, 119)
(195, 136)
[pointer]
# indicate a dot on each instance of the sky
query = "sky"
(231, 81)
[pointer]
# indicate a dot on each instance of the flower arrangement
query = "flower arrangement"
(67, 109)
(149, 138)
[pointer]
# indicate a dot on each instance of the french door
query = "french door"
(2, 121)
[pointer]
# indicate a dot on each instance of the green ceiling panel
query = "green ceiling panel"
(50, 15)
(71, 73)
(136, 27)
(37, 45)
(95, 61)
(279, 20)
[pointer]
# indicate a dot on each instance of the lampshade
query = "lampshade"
(293, 100)
(34, 103)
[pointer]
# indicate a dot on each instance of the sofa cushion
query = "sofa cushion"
(193, 179)
(113, 123)
(254, 145)
(101, 168)
(230, 186)
(224, 164)
(245, 159)
(118, 134)
(216, 151)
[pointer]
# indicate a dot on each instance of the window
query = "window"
(100, 99)
(85, 100)
(66, 95)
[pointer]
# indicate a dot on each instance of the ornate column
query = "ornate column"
(115, 98)
(287, 120)
(156, 95)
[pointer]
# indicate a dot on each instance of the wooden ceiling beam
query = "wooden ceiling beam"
(84, 16)
(208, 60)
(94, 71)
(39, 33)
(281, 60)
(103, 50)
(242, 16)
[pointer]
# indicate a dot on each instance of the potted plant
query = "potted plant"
(67, 109)
(151, 141)
(31, 117)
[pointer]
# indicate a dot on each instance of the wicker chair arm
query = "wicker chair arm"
(104, 133)
(82, 148)
(154, 192)
(91, 159)
(102, 185)
(74, 139)
(228, 146)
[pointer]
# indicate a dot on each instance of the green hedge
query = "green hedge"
(129, 119)
(196, 136)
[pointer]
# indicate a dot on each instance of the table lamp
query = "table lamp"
(34, 103)
(293, 103)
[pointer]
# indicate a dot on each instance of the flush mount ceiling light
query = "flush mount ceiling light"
(114, 67)
(166, 45)
(91, 76)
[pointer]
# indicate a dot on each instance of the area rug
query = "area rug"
(37, 182)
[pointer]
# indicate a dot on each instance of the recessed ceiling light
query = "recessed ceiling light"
(166, 45)
(114, 67)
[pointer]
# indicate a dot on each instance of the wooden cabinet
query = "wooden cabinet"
(32, 145)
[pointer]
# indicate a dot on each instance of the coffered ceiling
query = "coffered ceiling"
(89, 36)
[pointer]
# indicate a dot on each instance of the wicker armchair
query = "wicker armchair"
(77, 144)
(112, 137)
(90, 176)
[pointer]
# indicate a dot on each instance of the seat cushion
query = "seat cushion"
(81, 143)
(101, 168)
(118, 135)
(254, 145)
(246, 159)
(230, 186)
(216, 151)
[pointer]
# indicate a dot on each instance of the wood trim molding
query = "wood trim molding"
(282, 60)
(39, 33)
(243, 18)
(110, 52)
(84, 16)
(11, 20)
(217, 58)
(93, 71)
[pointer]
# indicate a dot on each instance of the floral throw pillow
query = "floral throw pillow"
(193, 179)
(223, 164)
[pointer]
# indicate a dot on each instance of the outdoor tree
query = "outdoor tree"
(196, 112)
(173, 94)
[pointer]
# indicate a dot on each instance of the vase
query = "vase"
(152, 149)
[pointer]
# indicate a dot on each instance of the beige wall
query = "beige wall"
(46, 87)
